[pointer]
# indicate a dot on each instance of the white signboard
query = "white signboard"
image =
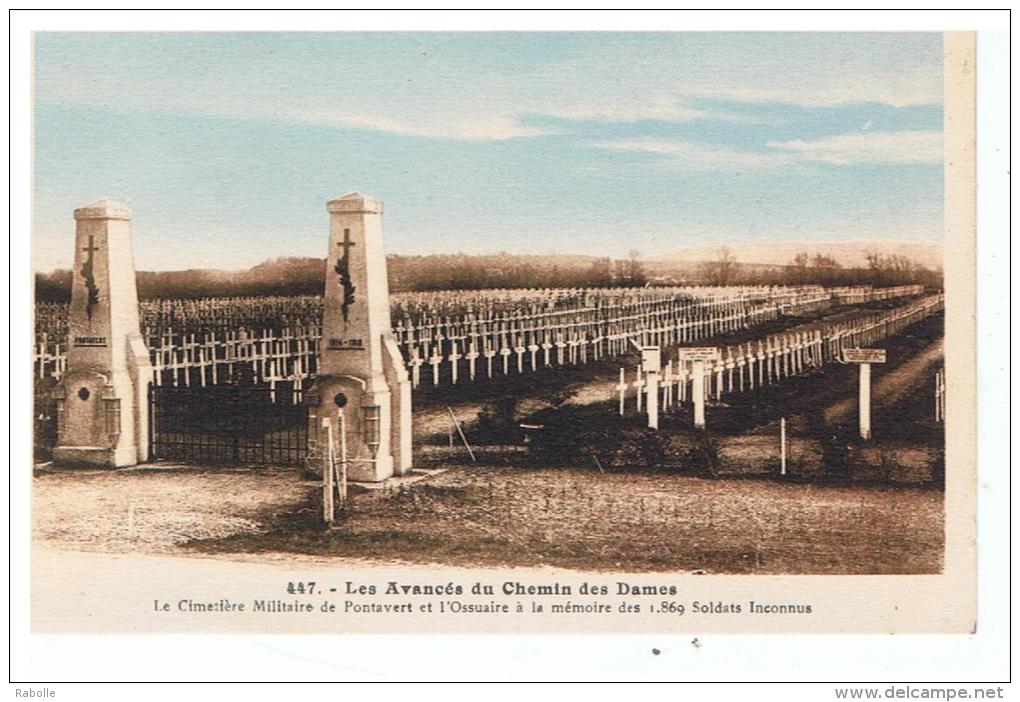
(699, 353)
(863, 355)
(650, 358)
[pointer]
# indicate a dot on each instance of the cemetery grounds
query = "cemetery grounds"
(683, 503)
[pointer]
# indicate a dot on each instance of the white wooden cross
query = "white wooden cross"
(489, 354)
(471, 356)
(731, 364)
(573, 345)
(454, 357)
(415, 364)
(667, 380)
(639, 383)
(434, 360)
(505, 353)
(621, 388)
(519, 350)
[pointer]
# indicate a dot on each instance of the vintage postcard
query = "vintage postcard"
(503, 332)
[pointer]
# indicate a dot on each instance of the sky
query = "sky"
(227, 146)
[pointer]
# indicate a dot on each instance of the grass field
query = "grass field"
(499, 515)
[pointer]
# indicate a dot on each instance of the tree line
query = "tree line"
(818, 269)
(304, 276)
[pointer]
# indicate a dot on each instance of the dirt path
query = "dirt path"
(892, 386)
(487, 515)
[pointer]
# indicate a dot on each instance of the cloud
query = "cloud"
(843, 150)
(462, 128)
(870, 147)
(698, 157)
(492, 92)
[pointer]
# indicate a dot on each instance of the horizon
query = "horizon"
(226, 147)
(660, 259)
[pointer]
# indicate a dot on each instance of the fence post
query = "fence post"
(698, 392)
(864, 401)
(327, 474)
(782, 445)
(152, 421)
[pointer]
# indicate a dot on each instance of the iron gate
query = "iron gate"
(228, 424)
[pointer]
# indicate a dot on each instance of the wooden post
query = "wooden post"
(698, 391)
(782, 445)
(653, 398)
(940, 395)
(865, 401)
(461, 432)
(865, 357)
(342, 480)
(327, 474)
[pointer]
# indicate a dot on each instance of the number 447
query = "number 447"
(301, 588)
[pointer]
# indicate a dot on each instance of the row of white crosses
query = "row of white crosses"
(709, 372)
(212, 359)
(529, 342)
(507, 331)
(857, 294)
(49, 358)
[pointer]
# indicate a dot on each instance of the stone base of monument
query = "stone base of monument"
(95, 457)
(367, 407)
(102, 418)
(396, 482)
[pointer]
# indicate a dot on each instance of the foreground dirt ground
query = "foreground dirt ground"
(574, 518)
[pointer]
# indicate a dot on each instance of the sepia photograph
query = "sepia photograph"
(502, 332)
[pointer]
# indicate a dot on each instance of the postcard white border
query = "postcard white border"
(982, 656)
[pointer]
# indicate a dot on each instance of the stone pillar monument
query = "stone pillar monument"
(102, 398)
(361, 371)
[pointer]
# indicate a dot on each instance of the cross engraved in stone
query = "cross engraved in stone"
(343, 270)
(88, 273)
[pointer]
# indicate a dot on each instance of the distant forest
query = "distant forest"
(304, 276)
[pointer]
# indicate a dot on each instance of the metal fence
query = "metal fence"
(228, 424)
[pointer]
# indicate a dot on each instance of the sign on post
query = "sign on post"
(650, 357)
(651, 361)
(865, 357)
(698, 354)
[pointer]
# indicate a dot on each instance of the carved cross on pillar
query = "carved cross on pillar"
(343, 270)
(88, 272)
